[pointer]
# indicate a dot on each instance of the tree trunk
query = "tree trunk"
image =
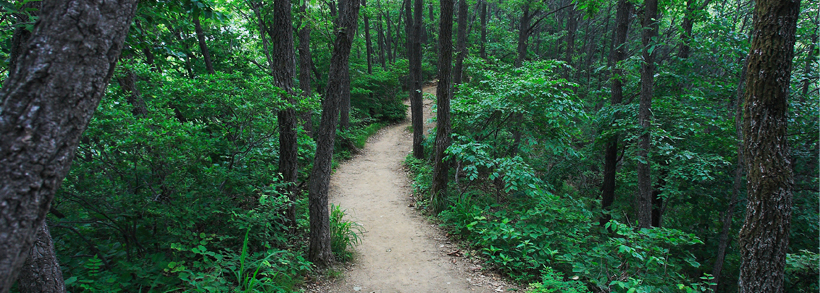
(622, 20)
(382, 44)
(200, 36)
(572, 27)
(812, 59)
(47, 102)
(650, 30)
(483, 17)
(443, 128)
(390, 54)
(369, 44)
(284, 58)
(344, 116)
(319, 247)
(523, 35)
(461, 42)
(727, 216)
(408, 33)
(128, 83)
(41, 271)
(416, 102)
(764, 237)
(688, 23)
(305, 64)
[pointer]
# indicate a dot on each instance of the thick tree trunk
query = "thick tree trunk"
(764, 238)
(443, 128)
(618, 54)
(200, 36)
(47, 102)
(727, 216)
(319, 246)
(284, 58)
(650, 31)
(416, 102)
(305, 64)
(461, 42)
(41, 271)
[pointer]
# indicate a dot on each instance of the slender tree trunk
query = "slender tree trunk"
(41, 271)
(382, 44)
(344, 111)
(572, 27)
(523, 35)
(391, 55)
(45, 105)
(688, 23)
(810, 61)
(727, 216)
(483, 17)
(319, 246)
(650, 31)
(622, 20)
(146, 48)
(408, 33)
(416, 103)
(200, 36)
(305, 64)
(368, 43)
(128, 83)
(443, 128)
(764, 237)
(461, 42)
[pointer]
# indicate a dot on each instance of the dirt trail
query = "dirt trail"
(400, 250)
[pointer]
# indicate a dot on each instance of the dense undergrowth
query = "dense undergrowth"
(185, 197)
(524, 196)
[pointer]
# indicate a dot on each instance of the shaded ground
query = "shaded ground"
(400, 250)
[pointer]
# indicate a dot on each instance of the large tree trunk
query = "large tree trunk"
(200, 36)
(764, 238)
(650, 31)
(47, 102)
(443, 128)
(319, 247)
(284, 58)
(41, 271)
(416, 102)
(618, 54)
(461, 42)
(305, 64)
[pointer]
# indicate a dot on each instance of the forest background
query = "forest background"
(178, 183)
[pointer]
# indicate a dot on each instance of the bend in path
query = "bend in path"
(400, 250)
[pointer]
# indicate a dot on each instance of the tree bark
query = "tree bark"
(200, 36)
(443, 128)
(810, 61)
(305, 64)
(618, 54)
(47, 102)
(382, 44)
(461, 42)
(650, 30)
(284, 58)
(764, 237)
(319, 245)
(572, 27)
(41, 271)
(416, 102)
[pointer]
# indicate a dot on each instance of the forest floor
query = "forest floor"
(400, 250)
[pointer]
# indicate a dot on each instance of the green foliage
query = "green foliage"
(553, 282)
(344, 234)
